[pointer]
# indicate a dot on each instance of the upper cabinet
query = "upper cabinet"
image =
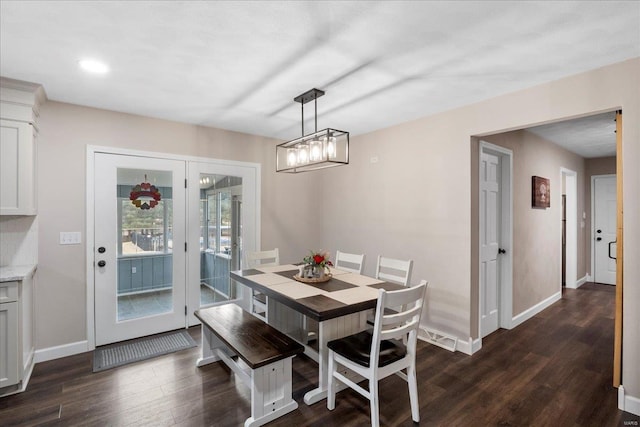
(19, 111)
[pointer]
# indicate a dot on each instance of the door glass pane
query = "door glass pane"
(145, 245)
(220, 225)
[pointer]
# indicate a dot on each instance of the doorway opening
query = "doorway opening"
(569, 181)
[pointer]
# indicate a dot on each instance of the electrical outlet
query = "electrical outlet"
(70, 237)
(134, 270)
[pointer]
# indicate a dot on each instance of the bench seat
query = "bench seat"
(264, 358)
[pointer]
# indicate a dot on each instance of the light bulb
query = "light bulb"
(292, 157)
(303, 154)
(331, 147)
(315, 151)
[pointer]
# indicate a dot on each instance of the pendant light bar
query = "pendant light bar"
(318, 150)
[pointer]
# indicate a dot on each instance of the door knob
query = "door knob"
(101, 249)
(598, 231)
(598, 239)
(102, 263)
(502, 251)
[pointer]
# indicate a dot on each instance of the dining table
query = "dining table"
(338, 305)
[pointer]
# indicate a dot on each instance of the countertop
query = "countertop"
(12, 273)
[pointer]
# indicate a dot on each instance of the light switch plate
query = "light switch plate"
(70, 238)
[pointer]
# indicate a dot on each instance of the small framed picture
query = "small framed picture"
(540, 192)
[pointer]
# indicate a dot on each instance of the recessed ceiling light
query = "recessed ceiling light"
(93, 66)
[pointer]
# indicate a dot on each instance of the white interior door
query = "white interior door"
(139, 253)
(490, 208)
(604, 226)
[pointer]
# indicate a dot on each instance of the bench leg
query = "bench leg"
(271, 395)
(210, 343)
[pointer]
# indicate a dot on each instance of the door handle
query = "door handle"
(102, 263)
(609, 251)
(598, 239)
(502, 251)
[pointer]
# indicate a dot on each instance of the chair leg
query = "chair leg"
(331, 384)
(375, 406)
(413, 392)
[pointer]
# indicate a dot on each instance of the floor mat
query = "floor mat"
(119, 354)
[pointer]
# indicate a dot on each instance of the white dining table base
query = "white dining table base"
(330, 330)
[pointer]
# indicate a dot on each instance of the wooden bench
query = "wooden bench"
(263, 360)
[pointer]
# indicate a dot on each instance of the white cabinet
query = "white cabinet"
(8, 344)
(17, 168)
(17, 347)
(19, 111)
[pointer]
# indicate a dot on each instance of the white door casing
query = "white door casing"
(604, 199)
(571, 261)
(108, 328)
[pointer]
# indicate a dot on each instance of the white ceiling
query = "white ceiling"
(590, 137)
(238, 65)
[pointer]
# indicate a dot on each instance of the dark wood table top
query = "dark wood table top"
(255, 342)
(345, 293)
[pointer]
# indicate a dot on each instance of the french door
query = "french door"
(139, 246)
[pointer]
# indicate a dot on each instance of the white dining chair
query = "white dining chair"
(388, 349)
(259, 304)
(394, 270)
(353, 263)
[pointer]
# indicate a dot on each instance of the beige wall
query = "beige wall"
(414, 202)
(600, 166)
(66, 131)
(537, 233)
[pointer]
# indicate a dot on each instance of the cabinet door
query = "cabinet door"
(9, 372)
(17, 168)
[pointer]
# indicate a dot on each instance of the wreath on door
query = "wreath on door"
(145, 195)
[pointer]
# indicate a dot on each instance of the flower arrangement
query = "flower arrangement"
(316, 265)
(319, 258)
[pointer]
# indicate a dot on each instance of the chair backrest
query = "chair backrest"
(349, 262)
(394, 270)
(402, 324)
(262, 258)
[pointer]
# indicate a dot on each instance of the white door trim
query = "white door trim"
(571, 191)
(506, 262)
(593, 226)
(89, 219)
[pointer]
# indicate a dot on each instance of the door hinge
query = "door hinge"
(185, 246)
(185, 183)
(185, 310)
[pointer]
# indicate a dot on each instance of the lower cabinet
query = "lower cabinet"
(8, 344)
(16, 335)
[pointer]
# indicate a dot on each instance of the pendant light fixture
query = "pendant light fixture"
(318, 150)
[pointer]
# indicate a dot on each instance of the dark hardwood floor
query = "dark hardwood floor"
(553, 370)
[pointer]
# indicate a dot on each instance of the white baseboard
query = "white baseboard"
(579, 282)
(582, 281)
(469, 346)
(59, 351)
(628, 403)
(528, 314)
